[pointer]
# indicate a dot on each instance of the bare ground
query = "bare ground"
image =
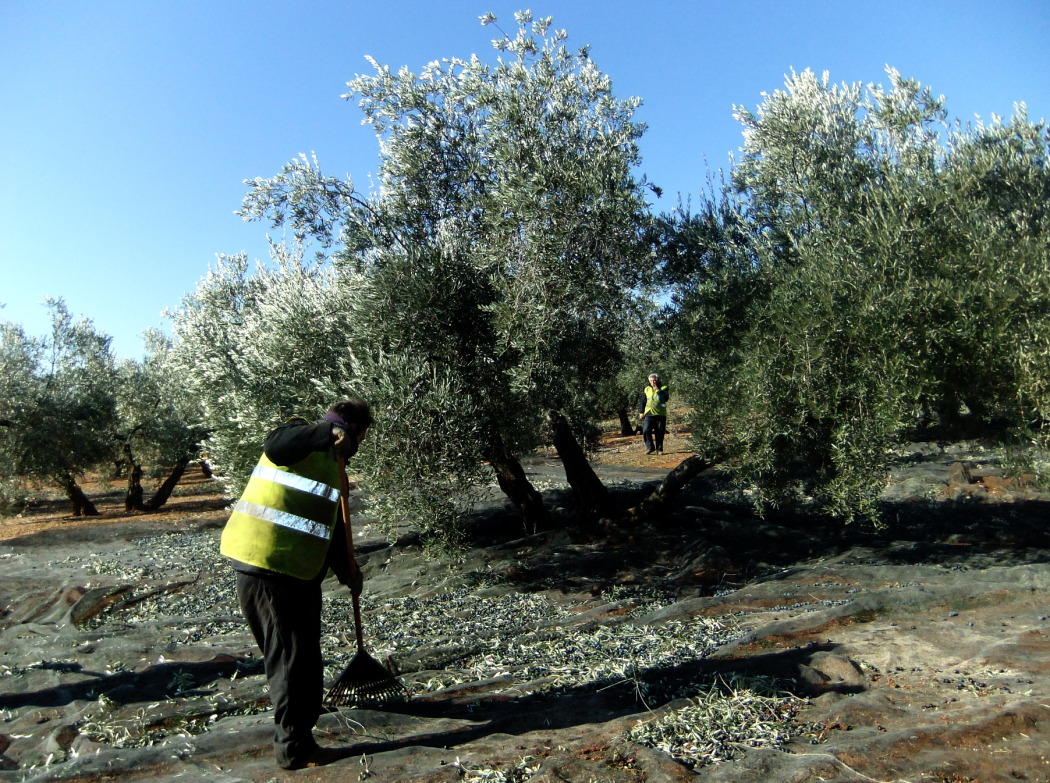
(921, 651)
(195, 496)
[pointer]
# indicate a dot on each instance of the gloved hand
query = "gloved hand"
(344, 442)
(357, 582)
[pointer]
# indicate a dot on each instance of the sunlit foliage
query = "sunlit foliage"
(482, 286)
(867, 268)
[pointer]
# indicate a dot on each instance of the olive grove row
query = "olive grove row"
(864, 268)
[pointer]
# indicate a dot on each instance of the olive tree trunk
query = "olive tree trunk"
(165, 490)
(516, 486)
(626, 425)
(133, 498)
(590, 495)
(82, 506)
(682, 474)
(133, 501)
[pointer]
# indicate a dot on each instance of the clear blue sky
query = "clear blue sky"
(127, 128)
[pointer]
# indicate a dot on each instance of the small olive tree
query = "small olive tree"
(57, 403)
(158, 420)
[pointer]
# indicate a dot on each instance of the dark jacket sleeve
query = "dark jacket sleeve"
(338, 557)
(663, 394)
(294, 441)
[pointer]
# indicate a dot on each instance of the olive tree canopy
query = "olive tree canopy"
(57, 402)
(867, 268)
(498, 253)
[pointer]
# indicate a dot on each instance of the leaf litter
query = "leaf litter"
(723, 717)
(523, 638)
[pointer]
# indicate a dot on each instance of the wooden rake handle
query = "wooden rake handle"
(344, 499)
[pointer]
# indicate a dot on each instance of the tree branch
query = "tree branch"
(682, 474)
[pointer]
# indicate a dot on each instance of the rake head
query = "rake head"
(364, 682)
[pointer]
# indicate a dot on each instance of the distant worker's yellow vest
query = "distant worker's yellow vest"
(653, 405)
(284, 520)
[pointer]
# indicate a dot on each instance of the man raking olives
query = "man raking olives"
(286, 531)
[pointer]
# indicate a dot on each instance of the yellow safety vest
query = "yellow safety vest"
(284, 520)
(653, 404)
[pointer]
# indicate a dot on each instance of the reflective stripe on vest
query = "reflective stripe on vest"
(653, 404)
(283, 521)
(282, 518)
(295, 481)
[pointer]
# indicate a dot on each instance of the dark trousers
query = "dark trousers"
(285, 618)
(653, 429)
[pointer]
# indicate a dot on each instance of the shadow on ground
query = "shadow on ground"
(714, 546)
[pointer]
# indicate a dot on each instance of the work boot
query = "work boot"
(319, 758)
(650, 451)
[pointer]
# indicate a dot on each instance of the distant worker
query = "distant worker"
(285, 532)
(654, 410)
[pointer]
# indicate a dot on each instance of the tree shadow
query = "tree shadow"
(595, 702)
(153, 684)
(701, 544)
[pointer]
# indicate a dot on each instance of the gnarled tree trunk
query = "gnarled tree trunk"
(591, 496)
(626, 425)
(162, 495)
(133, 498)
(682, 474)
(516, 486)
(133, 501)
(82, 506)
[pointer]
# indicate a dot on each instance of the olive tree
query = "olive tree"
(257, 349)
(158, 420)
(499, 250)
(996, 316)
(866, 267)
(57, 403)
(286, 341)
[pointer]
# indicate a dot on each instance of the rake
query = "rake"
(364, 681)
